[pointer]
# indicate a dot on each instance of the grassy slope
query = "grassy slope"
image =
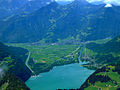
(106, 78)
(43, 58)
(108, 56)
(99, 54)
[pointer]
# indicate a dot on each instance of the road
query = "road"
(71, 54)
(26, 63)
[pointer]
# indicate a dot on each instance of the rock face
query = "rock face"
(13, 65)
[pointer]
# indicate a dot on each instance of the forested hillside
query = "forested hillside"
(8, 7)
(106, 57)
(106, 78)
(12, 82)
(54, 23)
(11, 8)
(12, 66)
(99, 55)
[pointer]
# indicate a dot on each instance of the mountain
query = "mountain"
(52, 23)
(104, 24)
(31, 6)
(13, 71)
(9, 8)
(33, 20)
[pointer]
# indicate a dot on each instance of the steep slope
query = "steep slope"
(32, 27)
(106, 78)
(13, 58)
(107, 56)
(12, 82)
(7, 7)
(103, 24)
(78, 20)
(13, 71)
(33, 5)
(11, 8)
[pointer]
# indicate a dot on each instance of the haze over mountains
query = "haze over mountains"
(54, 22)
(12, 7)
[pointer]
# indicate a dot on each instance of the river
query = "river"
(70, 76)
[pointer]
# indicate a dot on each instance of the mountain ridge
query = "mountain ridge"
(54, 22)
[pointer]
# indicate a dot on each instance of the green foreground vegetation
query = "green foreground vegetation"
(43, 58)
(13, 71)
(106, 57)
(106, 78)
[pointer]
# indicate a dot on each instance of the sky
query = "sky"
(114, 2)
(64, 0)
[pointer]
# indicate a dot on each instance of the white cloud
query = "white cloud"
(114, 2)
(108, 5)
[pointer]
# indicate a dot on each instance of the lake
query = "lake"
(70, 76)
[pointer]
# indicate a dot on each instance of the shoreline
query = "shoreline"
(54, 64)
(58, 66)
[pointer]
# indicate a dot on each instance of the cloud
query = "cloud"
(109, 2)
(108, 5)
(3, 69)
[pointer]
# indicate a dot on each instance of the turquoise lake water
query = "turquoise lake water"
(70, 76)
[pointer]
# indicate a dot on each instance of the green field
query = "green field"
(48, 54)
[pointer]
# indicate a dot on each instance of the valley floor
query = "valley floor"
(43, 58)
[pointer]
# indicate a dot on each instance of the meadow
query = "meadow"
(42, 56)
